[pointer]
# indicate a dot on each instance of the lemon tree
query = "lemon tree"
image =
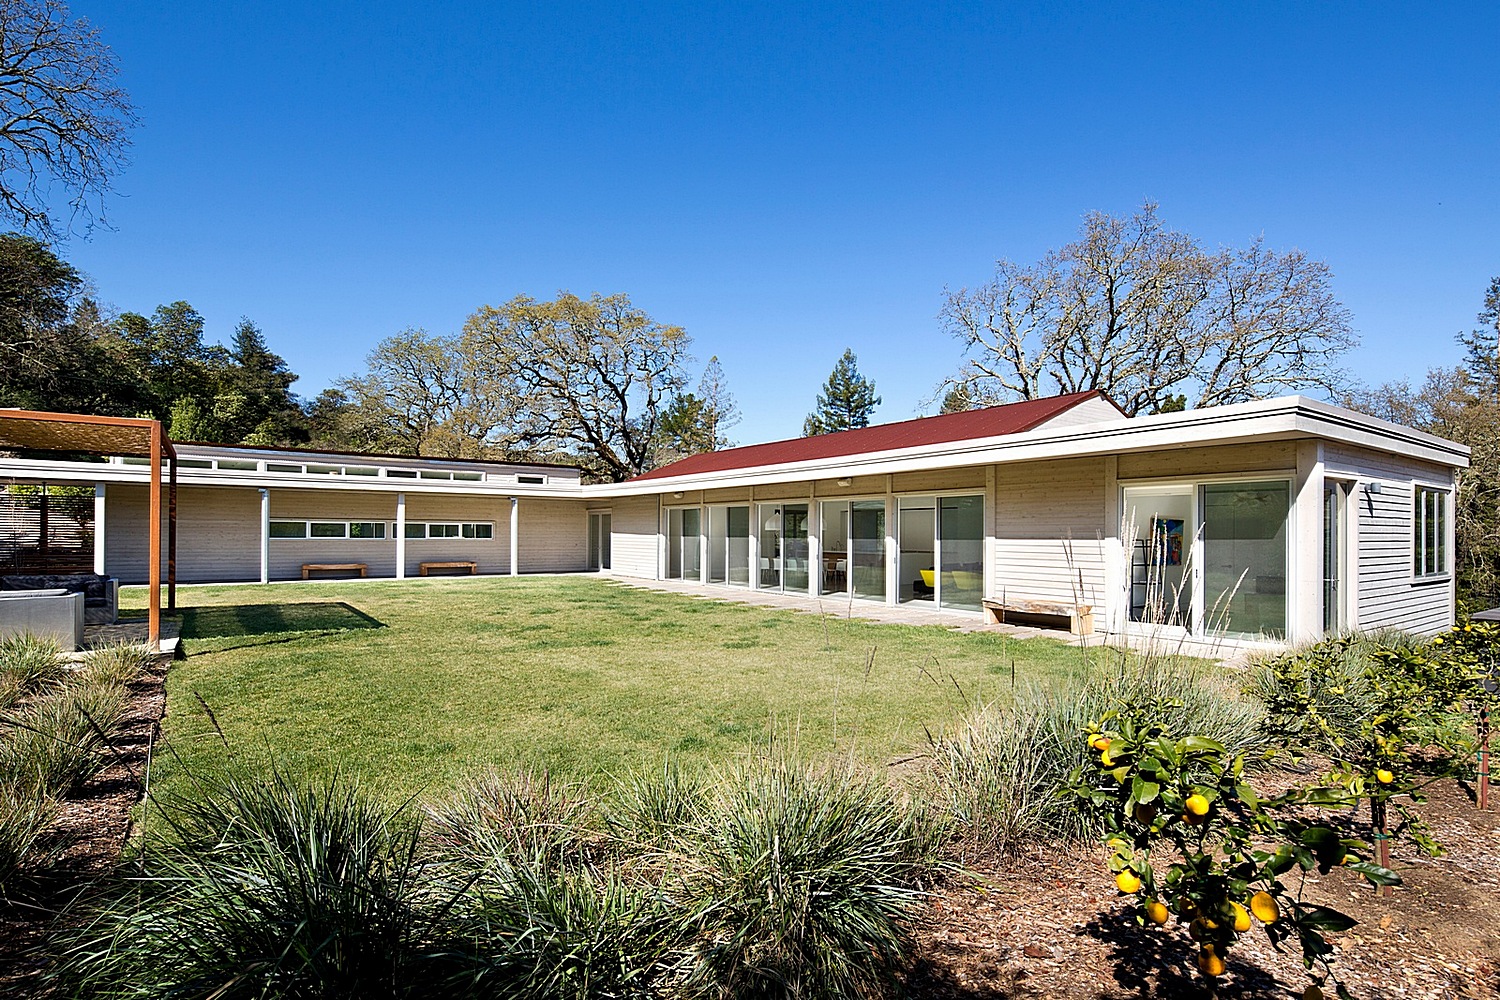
(1197, 844)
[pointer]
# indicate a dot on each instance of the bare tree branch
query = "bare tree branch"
(63, 119)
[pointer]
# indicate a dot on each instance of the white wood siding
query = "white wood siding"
(1048, 524)
(1090, 411)
(218, 534)
(633, 536)
(554, 535)
(1388, 594)
(1271, 456)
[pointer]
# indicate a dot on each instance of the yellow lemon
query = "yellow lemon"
(1384, 777)
(1106, 759)
(1145, 813)
(1241, 917)
(1128, 882)
(1210, 964)
(1197, 805)
(1099, 741)
(1156, 912)
(1313, 992)
(1265, 908)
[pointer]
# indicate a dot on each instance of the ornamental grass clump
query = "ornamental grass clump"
(802, 883)
(58, 741)
(658, 808)
(120, 664)
(275, 887)
(1003, 771)
(26, 845)
(27, 663)
(519, 816)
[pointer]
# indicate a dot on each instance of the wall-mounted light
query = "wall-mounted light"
(676, 496)
(845, 482)
(1372, 487)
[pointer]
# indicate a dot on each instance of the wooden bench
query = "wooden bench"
(308, 568)
(472, 567)
(1080, 616)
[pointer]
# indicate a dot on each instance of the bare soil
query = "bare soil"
(1052, 924)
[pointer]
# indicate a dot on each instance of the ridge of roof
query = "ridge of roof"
(989, 421)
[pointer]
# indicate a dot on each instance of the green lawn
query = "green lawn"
(411, 685)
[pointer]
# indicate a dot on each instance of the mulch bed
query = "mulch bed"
(1051, 924)
(95, 825)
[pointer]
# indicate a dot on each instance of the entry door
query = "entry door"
(1162, 524)
(599, 529)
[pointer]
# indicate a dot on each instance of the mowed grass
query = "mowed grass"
(411, 685)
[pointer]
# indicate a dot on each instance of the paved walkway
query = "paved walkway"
(132, 631)
(1225, 650)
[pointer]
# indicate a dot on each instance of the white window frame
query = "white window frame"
(308, 536)
(1428, 566)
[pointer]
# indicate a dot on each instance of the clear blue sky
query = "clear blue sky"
(784, 180)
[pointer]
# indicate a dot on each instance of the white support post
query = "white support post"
(814, 543)
(401, 536)
(265, 536)
(515, 536)
(1304, 593)
(99, 528)
(892, 553)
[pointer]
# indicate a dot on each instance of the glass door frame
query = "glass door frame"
(1194, 488)
(601, 525)
(937, 497)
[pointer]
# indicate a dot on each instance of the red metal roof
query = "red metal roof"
(1011, 418)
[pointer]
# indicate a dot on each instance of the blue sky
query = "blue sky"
(784, 180)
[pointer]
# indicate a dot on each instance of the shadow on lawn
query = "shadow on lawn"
(215, 629)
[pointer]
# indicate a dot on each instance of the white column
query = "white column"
(991, 518)
(265, 536)
(892, 553)
(1304, 595)
(401, 536)
(814, 543)
(99, 528)
(1116, 596)
(515, 536)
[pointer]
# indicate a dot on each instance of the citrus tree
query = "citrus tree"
(1195, 842)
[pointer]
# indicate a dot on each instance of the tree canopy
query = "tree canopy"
(63, 118)
(1145, 314)
(593, 376)
(846, 401)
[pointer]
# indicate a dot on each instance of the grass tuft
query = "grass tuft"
(28, 662)
(53, 744)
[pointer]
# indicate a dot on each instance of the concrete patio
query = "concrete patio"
(1233, 652)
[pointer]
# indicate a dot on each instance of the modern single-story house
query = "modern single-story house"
(1283, 518)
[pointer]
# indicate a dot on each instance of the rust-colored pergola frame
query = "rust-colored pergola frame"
(131, 436)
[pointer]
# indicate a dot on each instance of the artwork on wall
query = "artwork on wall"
(1168, 541)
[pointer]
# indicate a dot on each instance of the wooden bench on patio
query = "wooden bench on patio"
(309, 568)
(472, 567)
(1080, 616)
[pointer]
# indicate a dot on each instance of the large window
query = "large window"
(1430, 532)
(449, 529)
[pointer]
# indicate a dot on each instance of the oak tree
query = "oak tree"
(1146, 314)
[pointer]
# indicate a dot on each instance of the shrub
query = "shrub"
(29, 661)
(801, 883)
(25, 844)
(55, 743)
(1003, 773)
(275, 888)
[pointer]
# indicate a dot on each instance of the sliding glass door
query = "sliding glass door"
(599, 532)
(783, 547)
(684, 560)
(961, 552)
(1210, 557)
(1245, 557)
(941, 555)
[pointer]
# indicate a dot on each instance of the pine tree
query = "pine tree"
(1483, 358)
(846, 402)
(719, 410)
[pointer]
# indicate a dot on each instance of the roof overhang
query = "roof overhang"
(1285, 418)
